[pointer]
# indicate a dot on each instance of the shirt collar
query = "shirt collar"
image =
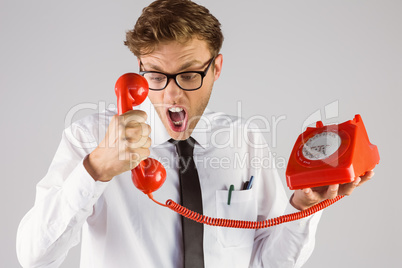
(203, 129)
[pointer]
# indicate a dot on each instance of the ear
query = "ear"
(139, 63)
(218, 66)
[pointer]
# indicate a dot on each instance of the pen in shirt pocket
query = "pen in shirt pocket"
(248, 184)
(231, 189)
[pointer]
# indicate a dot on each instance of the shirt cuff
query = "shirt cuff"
(302, 225)
(81, 190)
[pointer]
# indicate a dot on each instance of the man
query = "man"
(88, 189)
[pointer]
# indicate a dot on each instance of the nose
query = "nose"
(172, 90)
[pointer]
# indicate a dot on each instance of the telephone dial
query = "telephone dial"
(323, 155)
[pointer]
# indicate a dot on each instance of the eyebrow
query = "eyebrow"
(189, 64)
(182, 67)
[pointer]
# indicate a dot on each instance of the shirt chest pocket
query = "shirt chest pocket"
(242, 207)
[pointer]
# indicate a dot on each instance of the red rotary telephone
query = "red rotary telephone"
(333, 154)
(321, 156)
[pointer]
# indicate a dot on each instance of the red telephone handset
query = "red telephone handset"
(131, 90)
(312, 159)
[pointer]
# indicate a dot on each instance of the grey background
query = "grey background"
(287, 59)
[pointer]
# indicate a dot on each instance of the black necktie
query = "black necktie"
(190, 198)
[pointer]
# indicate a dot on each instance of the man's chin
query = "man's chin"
(183, 135)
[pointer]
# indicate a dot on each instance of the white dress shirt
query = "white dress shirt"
(119, 226)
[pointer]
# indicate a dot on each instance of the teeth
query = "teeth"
(178, 123)
(175, 109)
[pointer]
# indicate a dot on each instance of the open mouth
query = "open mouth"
(177, 118)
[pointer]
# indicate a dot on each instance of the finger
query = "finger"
(366, 177)
(305, 198)
(332, 191)
(309, 194)
(143, 153)
(142, 141)
(348, 188)
(138, 156)
(136, 130)
(147, 143)
(113, 131)
(136, 116)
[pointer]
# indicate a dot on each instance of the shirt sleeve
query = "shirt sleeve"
(64, 200)
(286, 245)
(292, 243)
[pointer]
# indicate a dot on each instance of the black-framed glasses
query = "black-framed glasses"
(190, 80)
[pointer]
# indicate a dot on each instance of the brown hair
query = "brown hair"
(173, 20)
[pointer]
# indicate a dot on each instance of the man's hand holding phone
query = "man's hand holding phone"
(124, 146)
(305, 198)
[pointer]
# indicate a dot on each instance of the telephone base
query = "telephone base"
(333, 154)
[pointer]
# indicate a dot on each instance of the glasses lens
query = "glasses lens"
(189, 80)
(156, 80)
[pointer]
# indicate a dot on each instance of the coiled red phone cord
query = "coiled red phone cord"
(246, 224)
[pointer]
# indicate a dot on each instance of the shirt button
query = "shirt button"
(85, 193)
